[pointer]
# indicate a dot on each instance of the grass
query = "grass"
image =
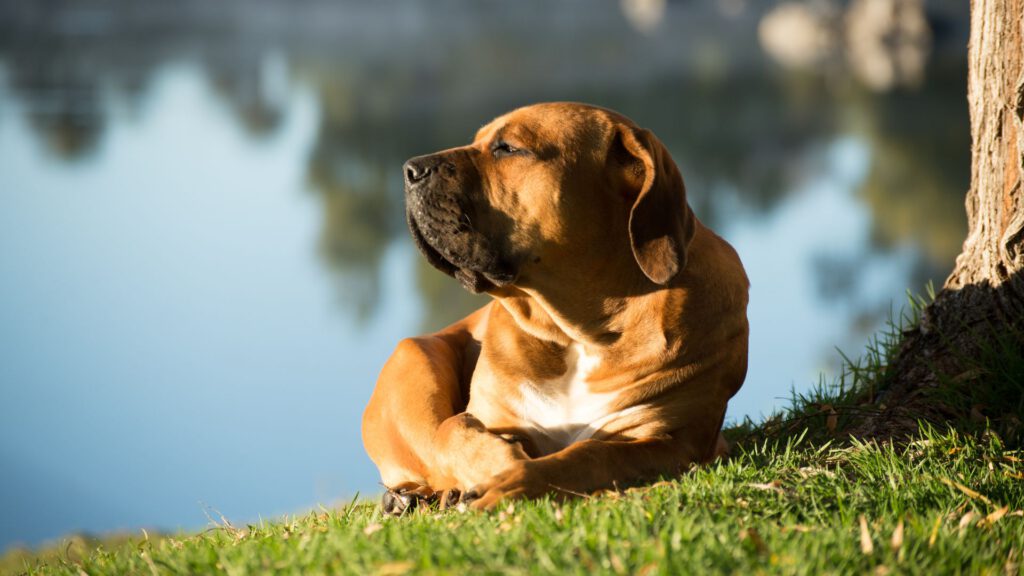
(946, 503)
(796, 497)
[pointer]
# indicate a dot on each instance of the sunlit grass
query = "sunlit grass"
(944, 503)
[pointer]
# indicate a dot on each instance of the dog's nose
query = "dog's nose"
(416, 170)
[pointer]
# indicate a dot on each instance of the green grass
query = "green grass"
(797, 496)
(785, 507)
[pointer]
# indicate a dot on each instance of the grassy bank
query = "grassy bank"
(945, 504)
(797, 496)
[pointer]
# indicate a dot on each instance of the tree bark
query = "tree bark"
(983, 298)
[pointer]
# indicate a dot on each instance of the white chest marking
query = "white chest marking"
(564, 409)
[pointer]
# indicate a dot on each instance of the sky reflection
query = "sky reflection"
(172, 339)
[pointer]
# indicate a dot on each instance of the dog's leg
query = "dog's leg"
(592, 465)
(415, 429)
(583, 468)
(418, 389)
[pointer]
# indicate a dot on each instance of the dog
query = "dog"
(616, 335)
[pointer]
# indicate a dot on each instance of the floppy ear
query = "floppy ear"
(661, 223)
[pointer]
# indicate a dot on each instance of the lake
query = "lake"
(203, 255)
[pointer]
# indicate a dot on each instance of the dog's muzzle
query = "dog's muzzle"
(440, 215)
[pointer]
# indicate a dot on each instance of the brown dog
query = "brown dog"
(617, 333)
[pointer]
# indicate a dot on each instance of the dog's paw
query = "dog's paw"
(450, 498)
(520, 481)
(404, 499)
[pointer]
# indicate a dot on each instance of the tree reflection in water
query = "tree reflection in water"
(395, 79)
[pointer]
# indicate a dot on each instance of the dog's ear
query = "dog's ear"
(661, 223)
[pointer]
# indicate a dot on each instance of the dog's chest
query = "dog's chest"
(564, 409)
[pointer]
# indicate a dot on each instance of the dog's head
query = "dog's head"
(550, 192)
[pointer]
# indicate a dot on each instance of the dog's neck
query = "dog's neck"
(600, 323)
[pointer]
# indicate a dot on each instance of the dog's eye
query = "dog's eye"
(502, 148)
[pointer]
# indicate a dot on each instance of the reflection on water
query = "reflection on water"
(203, 253)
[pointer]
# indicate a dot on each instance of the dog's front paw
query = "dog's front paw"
(469, 454)
(402, 499)
(450, 499)
(521, 481)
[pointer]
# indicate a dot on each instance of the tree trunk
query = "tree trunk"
(983, 299)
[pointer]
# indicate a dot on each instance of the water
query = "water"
(203, 260)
